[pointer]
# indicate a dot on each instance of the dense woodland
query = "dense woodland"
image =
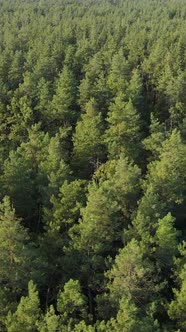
(92, 165)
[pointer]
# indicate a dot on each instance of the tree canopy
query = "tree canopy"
(92, 166)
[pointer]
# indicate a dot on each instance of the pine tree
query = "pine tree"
(63, 108)
(13, 253)
(131, 274)
(88, 149)
(71, 303)
(131, 318)
(123, 134)
(13, 259)
(135, 90)
(22, 178)
(89, 86)
(50, 322)
(153, 143)
(27, 314)
(119, 75)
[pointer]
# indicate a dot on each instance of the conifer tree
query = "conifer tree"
(153, 143)
(63, 108)
(13, 238)
(27, 314)
(131, 274)
(22, 178)
(176, 308)
(123, 134)
(88, 149)
(90, 85)
(131, 318)
(50, 322)
(71, 303)
(119, 74)
(13, 259)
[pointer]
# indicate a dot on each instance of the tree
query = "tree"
(176, 308)
(71, 303)
(110, 200)
(167, 174)
(20, 118)
(63, 108)
(166, 239)
(55, 166)
(50, 322)
(19, 255)
(43, 102)
(82, 327)
(99, 232)
(96, 228)
(16, 69)
(59, 220)
(135, 90)
(131, 274)
(119, 74)
(22, 178)
(130, 318)
(66, 207)
(164, 187)
(153, 143)
(123, 134)
(27, 314)
(13, 252)
(13, 257)
(88, 149)
(93, 85)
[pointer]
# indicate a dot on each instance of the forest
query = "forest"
(92, 165)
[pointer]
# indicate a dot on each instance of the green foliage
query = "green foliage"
(21, 175)
(27, 313)
(108, 206)
(120, 69)
(63, 101)
(132, 274)
(167, 175)
(123, 134)
(82, 327)
(163, 187)
(54, 166)
(88, 149)
(153, 143)
(92, 156)
(129, 319)
(166, 239)
(18, 254)
(66, 208)
(71, 303)
(177, 306)
(50, 322)
(94, 85)
(13, 238)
